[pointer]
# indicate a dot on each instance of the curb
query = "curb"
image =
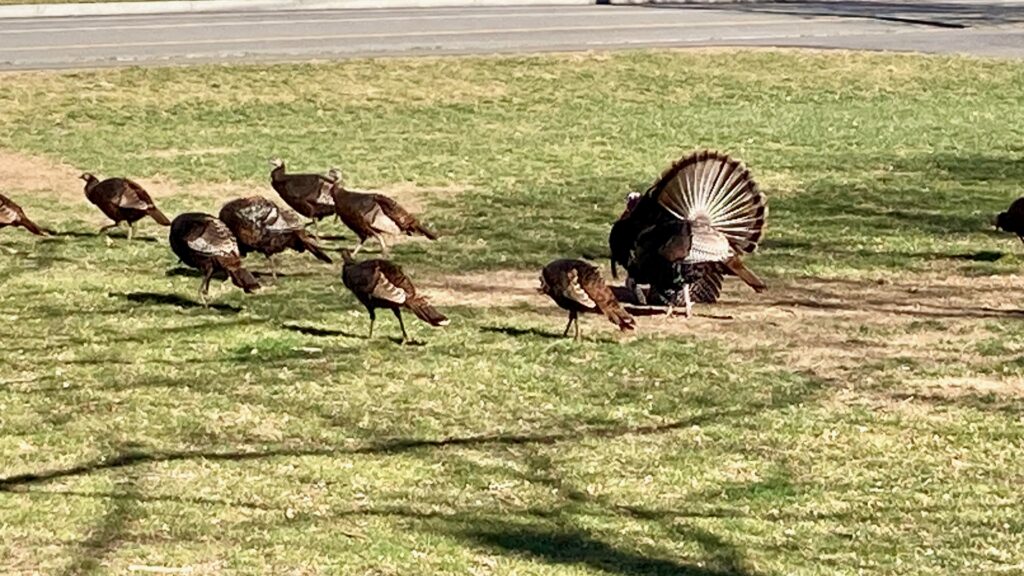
(201, 6)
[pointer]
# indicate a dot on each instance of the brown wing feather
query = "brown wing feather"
(135, 196)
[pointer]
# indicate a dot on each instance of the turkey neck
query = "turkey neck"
(91, 184)
(277, 174)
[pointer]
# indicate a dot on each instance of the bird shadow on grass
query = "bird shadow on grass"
(982, 256)
(79, 234)
(328, 332)
(192, 273)
(320, 332)
(518, 332)
(155, 299)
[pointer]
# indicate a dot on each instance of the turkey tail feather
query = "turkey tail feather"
(424, 311)
(31, 227)
(424, 231)
(736, 266)
(618, 316)
(308, 243)
(157, 215)
(243, 279)
(715, 188)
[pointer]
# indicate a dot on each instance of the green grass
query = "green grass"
(268, 436)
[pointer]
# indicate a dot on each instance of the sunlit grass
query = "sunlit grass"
(269, 436)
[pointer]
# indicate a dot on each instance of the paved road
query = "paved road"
(995, 29)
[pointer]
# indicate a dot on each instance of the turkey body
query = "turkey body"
(204, 242)
(122, 200)
(12, 215)
(382, 284)
(577, 287)
(374, 215)
(307, 194)
(689, 229)
(260, 225)
(1013, 219)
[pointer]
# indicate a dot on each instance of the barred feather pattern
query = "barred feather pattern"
(709, 187)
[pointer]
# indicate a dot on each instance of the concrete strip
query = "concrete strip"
(200, 6)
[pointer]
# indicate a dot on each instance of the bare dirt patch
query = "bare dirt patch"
(59, 181)
(22, 173)
(839, 330)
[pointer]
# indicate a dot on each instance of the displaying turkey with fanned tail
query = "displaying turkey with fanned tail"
(12, 215)
(372, 215)
(122, 200)
(382, 284)
(689, 229)
(577, 286)
(260, 225)
(307, 194)
(204, 242)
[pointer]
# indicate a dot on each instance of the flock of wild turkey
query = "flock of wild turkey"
(676, 241)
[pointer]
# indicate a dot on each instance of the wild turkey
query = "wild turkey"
(12, 215)
(122, 200)
(689, 229)
(204, 242)
(261, 226)
(373, 215)
(577, 286)
(307, 194)
(1013, 219)
(382, 284)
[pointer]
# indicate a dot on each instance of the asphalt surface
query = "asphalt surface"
(989, 29)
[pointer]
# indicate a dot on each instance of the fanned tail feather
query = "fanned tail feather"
(243, 279)
(424, 311)
(736, 266)
(157, 215)
(710, 186)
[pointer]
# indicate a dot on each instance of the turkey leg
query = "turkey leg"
(373, 318)
(686, 300)
(398, 314)
(572, 316)
(204, 287)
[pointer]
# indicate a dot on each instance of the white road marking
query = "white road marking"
(290, 22)
(418, 34)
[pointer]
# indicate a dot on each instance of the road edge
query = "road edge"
(201, 6)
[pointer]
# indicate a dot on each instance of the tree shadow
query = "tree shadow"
(392, 446)
(104, 537)
(155, 299)
(579, 547)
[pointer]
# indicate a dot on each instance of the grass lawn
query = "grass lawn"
(862, 417)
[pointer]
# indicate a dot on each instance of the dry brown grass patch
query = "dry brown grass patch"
(835, 329)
